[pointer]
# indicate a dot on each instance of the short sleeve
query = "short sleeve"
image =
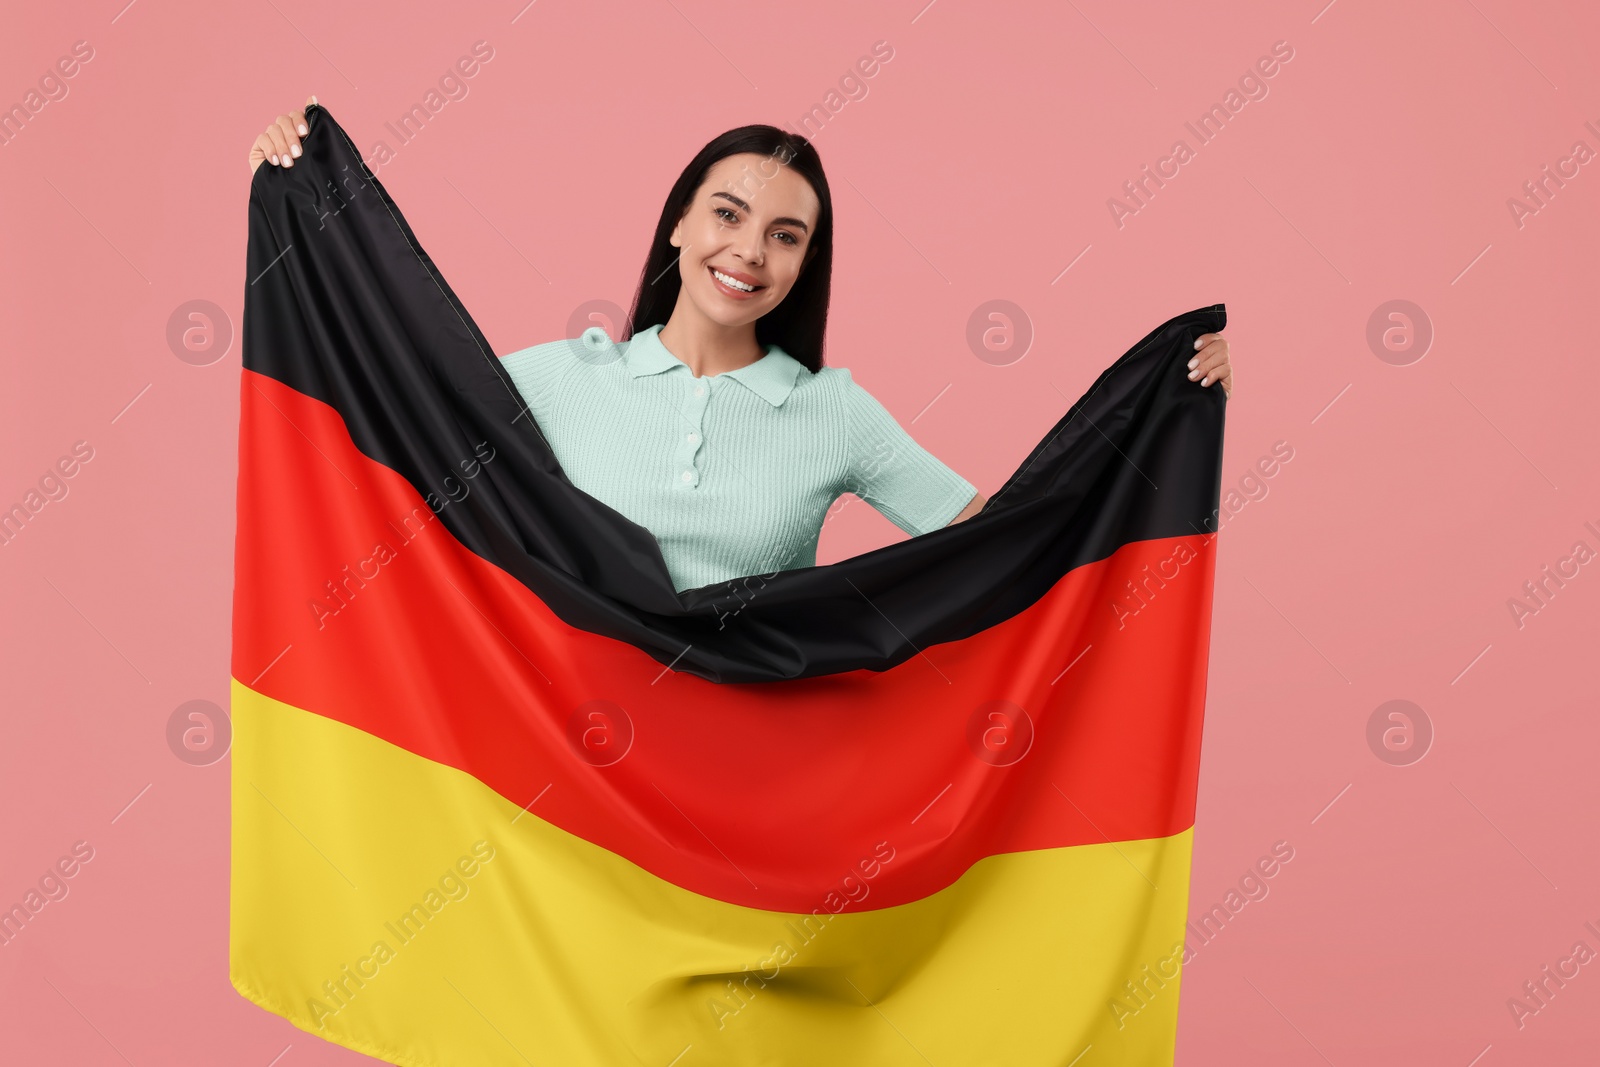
(535, 372)
(892, 472)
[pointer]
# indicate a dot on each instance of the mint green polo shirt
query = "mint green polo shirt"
(733, 473)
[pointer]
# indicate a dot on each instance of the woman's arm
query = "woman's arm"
(890, 470)
(972, 508)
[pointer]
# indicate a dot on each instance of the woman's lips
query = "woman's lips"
(730, 291)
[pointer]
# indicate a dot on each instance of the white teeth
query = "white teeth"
(732, 283)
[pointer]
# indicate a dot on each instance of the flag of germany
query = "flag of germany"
(501, 795)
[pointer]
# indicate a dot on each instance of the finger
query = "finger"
(1205, 359)
(271, 146)
(1217, 344)
(1219, 371)
(275, 146)
(286, 126)
(1209, 362)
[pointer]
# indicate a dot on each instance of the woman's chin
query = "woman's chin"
(730, 313)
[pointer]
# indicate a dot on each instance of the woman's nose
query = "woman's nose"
(749, 250)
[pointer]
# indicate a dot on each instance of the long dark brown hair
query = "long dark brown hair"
(798, 324)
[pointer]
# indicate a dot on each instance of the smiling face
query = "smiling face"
(751, 222)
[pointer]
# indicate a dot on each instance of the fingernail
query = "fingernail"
(288, 162)
(274, 158)
(294, 150)
(1197, 342)
(302, 129)
(1193, 375)
(1193, 361)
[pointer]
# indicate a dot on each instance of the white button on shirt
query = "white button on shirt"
(761, 452)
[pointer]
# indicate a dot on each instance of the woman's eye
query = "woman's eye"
(730, 216)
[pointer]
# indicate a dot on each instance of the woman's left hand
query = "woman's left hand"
(1210, 364)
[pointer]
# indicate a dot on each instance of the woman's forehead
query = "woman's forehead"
(760, 181)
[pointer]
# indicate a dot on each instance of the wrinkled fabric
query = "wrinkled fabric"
(932, 802)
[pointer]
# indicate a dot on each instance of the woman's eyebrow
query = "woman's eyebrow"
(785, 221)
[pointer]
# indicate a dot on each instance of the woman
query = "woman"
(716, 426)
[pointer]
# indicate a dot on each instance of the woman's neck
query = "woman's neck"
(709, 347)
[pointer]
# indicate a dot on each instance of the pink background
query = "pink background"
(1377, 567)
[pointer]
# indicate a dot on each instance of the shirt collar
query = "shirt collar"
(772, 377)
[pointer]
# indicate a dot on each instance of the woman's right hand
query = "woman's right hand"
(280, 144)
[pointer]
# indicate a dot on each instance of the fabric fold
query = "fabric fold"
(346, 307)
(502, 795)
